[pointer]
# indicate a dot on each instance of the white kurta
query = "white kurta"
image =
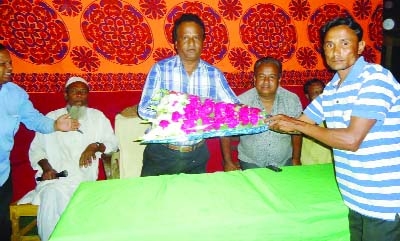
(63, 151)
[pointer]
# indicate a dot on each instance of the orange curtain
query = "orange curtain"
(114, 43)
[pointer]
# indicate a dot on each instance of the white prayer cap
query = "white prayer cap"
(75, 79)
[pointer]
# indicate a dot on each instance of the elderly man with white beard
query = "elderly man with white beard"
(77, 152)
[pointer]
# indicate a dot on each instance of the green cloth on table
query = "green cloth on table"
(299, 203)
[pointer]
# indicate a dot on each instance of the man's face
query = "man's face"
(266, 79)
(342, 48)
(189, 41)
(5, 67)
(314, 90)
(77, 94)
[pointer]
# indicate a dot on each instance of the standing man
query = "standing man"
(361, 106)
(269, 147)
(77, 152)
(15, 107)
(313, 151)
(186, 73)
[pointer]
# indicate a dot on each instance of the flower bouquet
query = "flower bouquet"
(185, 117)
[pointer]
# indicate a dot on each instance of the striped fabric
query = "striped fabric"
(369, 179)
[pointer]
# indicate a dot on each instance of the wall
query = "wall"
(113, 44)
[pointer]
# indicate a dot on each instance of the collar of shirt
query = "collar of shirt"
(355, 71)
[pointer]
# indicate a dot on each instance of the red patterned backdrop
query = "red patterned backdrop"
(113, 43)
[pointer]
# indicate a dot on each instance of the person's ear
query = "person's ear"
(361, 47)
(65, 96)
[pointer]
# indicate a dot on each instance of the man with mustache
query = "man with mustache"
(185, 72)
(266, 148)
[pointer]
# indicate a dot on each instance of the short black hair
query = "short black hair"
(267, 60)
(348, 21)
(311, 82)
(187, 17)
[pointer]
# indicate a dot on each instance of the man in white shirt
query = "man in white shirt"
(77, 152)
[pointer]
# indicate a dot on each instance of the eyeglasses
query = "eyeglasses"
(78, 91)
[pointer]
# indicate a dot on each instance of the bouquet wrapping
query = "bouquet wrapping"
(185, 117)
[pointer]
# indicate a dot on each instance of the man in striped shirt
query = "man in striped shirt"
(361, 106)
(186, 73)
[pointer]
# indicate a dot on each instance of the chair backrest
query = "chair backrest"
(127, 130)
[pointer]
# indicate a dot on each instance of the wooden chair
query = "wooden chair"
(20, 233)
(24, 210)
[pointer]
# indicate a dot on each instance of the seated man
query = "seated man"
(313, 151)
(269, 147)
(76, 152)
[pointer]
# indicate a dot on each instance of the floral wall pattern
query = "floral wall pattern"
(114, 43)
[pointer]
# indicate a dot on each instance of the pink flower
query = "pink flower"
(188, 126)
(190, 112)
(176, 116)
(254, 117)
(194, 101)
(207, 108)
(208, 123)
(164, 124)
(232, 123)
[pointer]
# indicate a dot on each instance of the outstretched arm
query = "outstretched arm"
(349, 138)
(66, 123)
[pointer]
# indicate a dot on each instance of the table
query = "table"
(299, 203)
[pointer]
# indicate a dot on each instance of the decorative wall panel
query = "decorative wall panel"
(114, 43)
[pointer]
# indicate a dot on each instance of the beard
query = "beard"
(77, 112)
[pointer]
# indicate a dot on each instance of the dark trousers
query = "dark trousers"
(159, 160)
(5, 200)
(363, 228)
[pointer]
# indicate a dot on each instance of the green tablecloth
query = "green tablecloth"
(299, 203)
